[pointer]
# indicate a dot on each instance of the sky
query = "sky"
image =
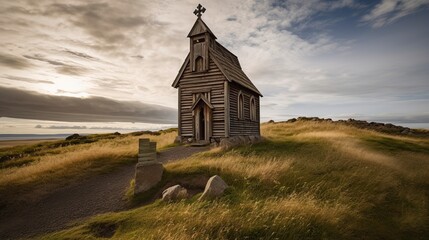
(99, 66)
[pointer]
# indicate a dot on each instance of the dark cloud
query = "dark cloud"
(100, 20)
(80, 54)
(61, 67)
(24, 79)
(138, 56)
(17, 103)
(13, 61)
(232, 18)
(41, 58)
(71, 70)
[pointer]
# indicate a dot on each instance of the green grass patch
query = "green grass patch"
(394, 145)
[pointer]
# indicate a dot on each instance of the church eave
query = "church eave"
(180, 73)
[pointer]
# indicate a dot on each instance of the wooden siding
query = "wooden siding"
(194, 82)
(242, 126)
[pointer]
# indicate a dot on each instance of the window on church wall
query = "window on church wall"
(252, 109)
(240, 107)
(199, 64)
(201, 40)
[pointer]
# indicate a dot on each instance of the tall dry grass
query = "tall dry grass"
(264, 168)
(72, 162)
(308, 180)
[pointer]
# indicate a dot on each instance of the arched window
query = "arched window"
(252, 109)
(240, 106)
(199, 64)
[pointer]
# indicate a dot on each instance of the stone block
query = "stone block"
(173, 193)
(148, 174)
(148, 156)
(214, 188)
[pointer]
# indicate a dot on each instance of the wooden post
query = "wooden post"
(179, 115)
(226, 105)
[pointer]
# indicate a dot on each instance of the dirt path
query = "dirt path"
(98, 194)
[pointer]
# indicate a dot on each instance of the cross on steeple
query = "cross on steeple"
(199, 11)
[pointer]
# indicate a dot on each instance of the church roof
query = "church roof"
(200, 27)
(230, 67)
(226, 61)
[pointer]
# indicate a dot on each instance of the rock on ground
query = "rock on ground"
(148, 174)
(227, 143)
(214, 188)
(173, 193)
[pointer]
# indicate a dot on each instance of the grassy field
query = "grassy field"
(29, 171)
(308, 180)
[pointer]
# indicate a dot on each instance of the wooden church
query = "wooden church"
(216, 99)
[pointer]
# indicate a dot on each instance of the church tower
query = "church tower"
(201, 38)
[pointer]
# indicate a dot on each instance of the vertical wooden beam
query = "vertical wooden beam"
(179, 115)
(226, 107)
(206, 51)
(191, 54)
(197, 124)
(258, 117)
(207, 124)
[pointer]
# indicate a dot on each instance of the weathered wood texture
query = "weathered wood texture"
(195, 82)
(242, 126)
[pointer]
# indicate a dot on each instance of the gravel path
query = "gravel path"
(98, 194)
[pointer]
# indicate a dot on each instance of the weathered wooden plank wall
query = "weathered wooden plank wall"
(194, 82)
(242, 126)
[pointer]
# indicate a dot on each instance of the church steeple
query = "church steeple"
(201, 38)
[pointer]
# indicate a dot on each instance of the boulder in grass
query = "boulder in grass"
(148, 174)
(215, 187)
(174, 193)
(73, 136)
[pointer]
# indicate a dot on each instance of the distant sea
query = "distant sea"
(8, 137)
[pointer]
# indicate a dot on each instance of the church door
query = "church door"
(202, 126)
(202, 123)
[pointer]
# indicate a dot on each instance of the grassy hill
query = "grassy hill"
(307, 180)
(28, 172)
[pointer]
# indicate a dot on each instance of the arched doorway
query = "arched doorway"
(202, 117)
(202, 125)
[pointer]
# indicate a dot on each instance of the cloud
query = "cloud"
(14, 62)
(80, 54)
(231, 18)
(24, 79)
(17, 103)
(103, 21)
(138, 56)
(61, 67)
(60, 127)
(388, 11)
(400, 118)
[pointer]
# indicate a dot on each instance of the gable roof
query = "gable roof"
(228, 64)
(226, 61)
(202, 98)
(199, 28)
(230, 67)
